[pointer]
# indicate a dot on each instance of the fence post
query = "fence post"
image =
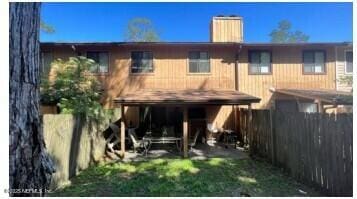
(249, 127)
(272, 135)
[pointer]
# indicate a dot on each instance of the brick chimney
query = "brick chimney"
(227, 29)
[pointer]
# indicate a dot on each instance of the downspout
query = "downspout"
(236, 84)
(236, 69)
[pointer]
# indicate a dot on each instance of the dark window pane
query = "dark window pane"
(193, 67)
(95, 57)
(308, 57)
(349, 62)
(255, 57)
(141, 62)
(199, 62)
(203, 55)
(194, 55)
(103, 62)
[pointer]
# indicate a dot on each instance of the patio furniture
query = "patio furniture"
(212, 130)
(114, 138)
(138, 143)
(193, 143)
(162, 140)
(229, 136)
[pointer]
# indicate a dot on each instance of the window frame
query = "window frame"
(189, 61)
(345, 54)
(314, 73)
(141, 73)
(108, 67)
(250, 64)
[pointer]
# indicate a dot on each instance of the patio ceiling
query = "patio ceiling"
(325, 96)
(186, 97)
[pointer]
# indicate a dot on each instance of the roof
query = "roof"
(191, 43)
(207, 97)
(326, 96)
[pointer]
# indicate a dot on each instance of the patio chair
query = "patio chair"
(137, 143)
(193, 143)
(113, 139)
(212, 130)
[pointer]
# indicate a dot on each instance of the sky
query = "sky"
(104, 22)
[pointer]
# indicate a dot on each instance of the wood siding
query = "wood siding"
(170, 72)
(227, 29)
(287, 72)
(340, 68)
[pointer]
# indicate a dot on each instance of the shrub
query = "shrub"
(74, 89)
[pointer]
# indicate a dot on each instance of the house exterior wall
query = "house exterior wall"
(340, 68)
(287, 72)
(170, 72)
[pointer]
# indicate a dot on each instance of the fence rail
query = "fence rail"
(314, 148)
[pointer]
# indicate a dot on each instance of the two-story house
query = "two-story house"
(188, 85)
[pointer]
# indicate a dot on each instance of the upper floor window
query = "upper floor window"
(314, 61)
(101, 61)
(142, 62)
(199, 62)
(349, 62)
(46, 60)
(259, 62)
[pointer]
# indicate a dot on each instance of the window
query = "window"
(46, 60)
(259, 62)
(141, 62)
(199, 62)
(349, 62)
(101, 59)
(308, 107)
(314, 61)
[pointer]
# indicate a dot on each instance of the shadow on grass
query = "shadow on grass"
(184, 177)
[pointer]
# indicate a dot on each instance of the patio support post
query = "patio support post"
(122, 131)
(185, 132)
(320, 107)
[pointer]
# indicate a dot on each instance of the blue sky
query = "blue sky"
(80, 22)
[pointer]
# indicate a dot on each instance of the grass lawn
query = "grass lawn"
(184, 177)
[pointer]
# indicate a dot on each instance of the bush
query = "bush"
(74, 89)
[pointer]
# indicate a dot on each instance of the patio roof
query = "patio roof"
(182, 97)
(325, 96)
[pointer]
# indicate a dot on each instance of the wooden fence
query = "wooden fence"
(73, 143)
(314, 148)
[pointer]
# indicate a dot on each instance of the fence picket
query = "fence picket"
(315, 148)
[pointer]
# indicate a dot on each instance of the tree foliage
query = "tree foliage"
(141, 30)
(75, 90)
(348, 80)
(283, 34)
(46, 27)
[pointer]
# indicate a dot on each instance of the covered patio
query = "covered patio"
(313, 100)
(182, 99)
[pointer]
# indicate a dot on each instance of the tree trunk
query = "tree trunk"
(30, 166)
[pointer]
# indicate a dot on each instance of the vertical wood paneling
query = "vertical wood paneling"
(226, 29)
(286, 73)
